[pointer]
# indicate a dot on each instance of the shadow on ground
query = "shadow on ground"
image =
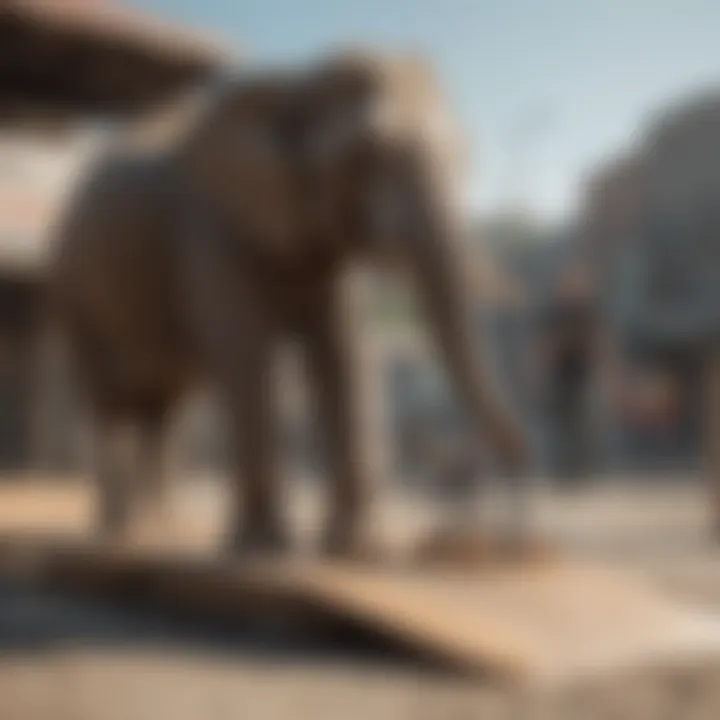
(43, 621)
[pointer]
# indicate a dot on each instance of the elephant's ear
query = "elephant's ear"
(230, 148)
(342, 100)
(341, 133)
(362, 97)
(372, 115)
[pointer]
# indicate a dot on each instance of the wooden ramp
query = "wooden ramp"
(544, 622)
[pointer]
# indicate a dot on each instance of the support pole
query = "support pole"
(712, 437)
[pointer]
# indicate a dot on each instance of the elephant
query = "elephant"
(189, 252)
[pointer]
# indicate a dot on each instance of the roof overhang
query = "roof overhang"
(94, 56)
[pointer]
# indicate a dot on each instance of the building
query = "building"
(611, 200)
(651, 221)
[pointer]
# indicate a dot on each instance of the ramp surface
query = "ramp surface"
(530, 623)
(546, 622)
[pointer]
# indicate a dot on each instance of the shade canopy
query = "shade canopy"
(93, 57)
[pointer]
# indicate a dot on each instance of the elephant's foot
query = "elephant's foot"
(113, 528)
(113, 523)
(512, 447)
(259, 540)
(344, 541)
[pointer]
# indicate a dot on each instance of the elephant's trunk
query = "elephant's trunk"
(435, 242)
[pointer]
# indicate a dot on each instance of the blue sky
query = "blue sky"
(544, 88)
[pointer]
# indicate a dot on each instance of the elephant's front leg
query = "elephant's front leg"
(235, 337)
(258, 524)
(334, 358)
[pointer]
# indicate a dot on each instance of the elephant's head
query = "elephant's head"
(384, 162)
(381, 148)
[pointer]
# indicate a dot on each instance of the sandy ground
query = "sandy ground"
(77, 660)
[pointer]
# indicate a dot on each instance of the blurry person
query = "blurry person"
(569, 334)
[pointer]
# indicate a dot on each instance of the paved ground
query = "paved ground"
(65, 658)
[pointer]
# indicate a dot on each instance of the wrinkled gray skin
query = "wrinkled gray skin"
(189, 259)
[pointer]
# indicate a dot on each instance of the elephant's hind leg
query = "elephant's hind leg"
(111, 440)
(150, 481)
(112, 447)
